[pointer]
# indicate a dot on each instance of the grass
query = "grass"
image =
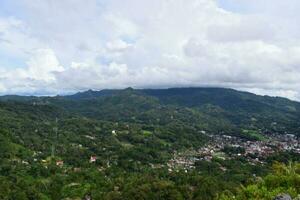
(254, 134)
(146, 133)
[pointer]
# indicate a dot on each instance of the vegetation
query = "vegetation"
(46, 145)
(284, 179)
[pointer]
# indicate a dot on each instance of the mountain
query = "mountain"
(220, 108)
(215, 110)
(149, 143)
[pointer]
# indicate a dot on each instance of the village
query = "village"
(230, 147)
(224, 147)
(219, 146)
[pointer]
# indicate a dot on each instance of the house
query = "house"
(93, 159)
(25, 162)
(60, 163)
(114, 132)
(90, 137)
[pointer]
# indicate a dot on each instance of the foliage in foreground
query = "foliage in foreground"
(284, 179)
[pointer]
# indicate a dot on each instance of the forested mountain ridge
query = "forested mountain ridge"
(184, 143)
(230, 107)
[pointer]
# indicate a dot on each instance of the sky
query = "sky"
(50, 47)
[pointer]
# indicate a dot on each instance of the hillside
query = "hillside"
(214, 109)
(181, 143)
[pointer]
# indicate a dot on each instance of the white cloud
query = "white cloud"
(38, 75)
(76, 45)
(291, 94)
(43, 65)
(117, 46)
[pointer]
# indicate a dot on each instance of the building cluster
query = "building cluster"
(231, 147)
(184, 161)
(287, 142)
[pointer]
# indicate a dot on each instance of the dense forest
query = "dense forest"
(149, 144)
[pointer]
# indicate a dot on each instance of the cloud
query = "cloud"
(38, 76)
(42, 65)
(68, 46)
(117, 46)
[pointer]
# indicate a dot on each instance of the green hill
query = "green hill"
(135, 134)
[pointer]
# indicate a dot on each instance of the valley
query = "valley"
(181, 143)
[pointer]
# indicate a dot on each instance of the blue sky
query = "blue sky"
(55, 47)
(234, 5)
